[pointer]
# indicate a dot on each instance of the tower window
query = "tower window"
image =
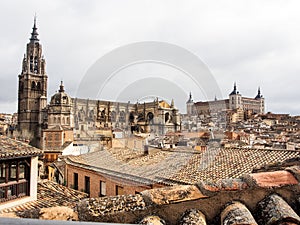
(31, 63)
(38, 86)
(36, 64)
(21, 86)
(33, 86)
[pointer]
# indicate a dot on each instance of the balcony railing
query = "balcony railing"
(13, 190)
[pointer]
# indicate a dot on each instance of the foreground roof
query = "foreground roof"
(266, 198)
(251, 200)
(179, 166)
(11, 148)
(50, 194)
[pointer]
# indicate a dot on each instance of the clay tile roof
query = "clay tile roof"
(10, 148)
(182, 165)
(274, 209)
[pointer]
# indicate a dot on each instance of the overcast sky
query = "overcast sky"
(255, 43)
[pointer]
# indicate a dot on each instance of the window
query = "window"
(167, 117)
(38, 86)
(102, 189)
(31, 63)
(131, 118)
(122, 116)
(32, 85)
(102, 117)
(113, 116)
(75, 182)
(119, 190)
(14, 179)
(87, 184)
(36, 64)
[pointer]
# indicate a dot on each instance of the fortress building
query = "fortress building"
(235, 102)
(53, 126)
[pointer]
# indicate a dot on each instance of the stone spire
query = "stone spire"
(258, 96)
(34, 33)
(172, 103)
(234, 92)
(190, 98)
(61, 87)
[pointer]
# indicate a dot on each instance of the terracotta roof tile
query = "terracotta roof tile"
(295, 170)
(274, 209)
(152, 220)
(174, 194)
(274, 179)
(193, 216)
(223, 185)
(237, 213)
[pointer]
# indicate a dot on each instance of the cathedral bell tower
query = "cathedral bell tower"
(32, 90)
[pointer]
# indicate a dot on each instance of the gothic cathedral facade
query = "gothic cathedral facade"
(50, 126)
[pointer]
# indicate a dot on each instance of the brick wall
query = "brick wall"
(95, 178)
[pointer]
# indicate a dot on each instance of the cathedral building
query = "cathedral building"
(64, 120)
(234, 103)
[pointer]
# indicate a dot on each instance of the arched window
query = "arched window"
(150, 117)
(167, 117)
(122, 117)
(38, 86)
(113, 116)
(131, 117)
(102, 115)
(33, 86)
(140, 117)
(91, 114)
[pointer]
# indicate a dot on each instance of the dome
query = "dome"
(60, 98)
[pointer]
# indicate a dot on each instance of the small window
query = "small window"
(75, 181)
(119, 190)
(87, 184)
(102, 189)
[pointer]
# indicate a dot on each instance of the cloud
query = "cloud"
(255, 43)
